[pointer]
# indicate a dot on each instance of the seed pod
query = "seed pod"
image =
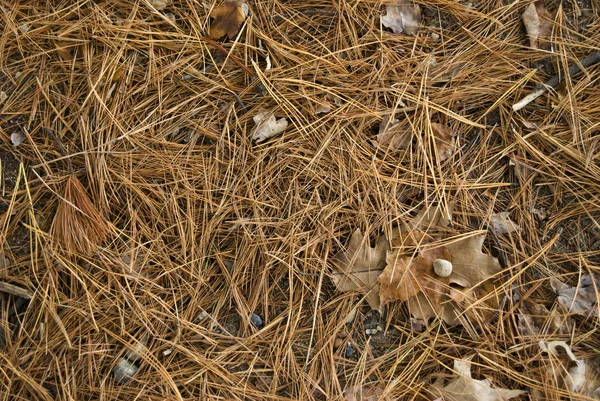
(442, 267)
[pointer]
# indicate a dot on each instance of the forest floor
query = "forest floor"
(299, 200)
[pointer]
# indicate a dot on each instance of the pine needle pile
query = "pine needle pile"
(253, 200)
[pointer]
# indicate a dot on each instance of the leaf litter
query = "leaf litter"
(150, 191)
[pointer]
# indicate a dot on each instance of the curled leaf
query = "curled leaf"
(445, 141)
(464, 388)
(582, 299)
(538, 24)
(392, 134)
(358, 268)
(267, 126)
(228, 19)
(502, 224)
(402, 17)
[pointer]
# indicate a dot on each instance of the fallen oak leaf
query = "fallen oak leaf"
(478, 303)
(464, 388)
(583, 377)
(502, 224)
(402, 17)
(404, 277)
(159, 4)
(267, 126)
(359, 267)
(413, 279)
(581, 299)
(538, 24)
(471, 268)
(470, 265)
(391, 134)
(536, 319)
(228, 19)
(367, 392)
(445, 141)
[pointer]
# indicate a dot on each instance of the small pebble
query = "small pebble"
(338, 343)
(379, 328)
(124, 370)
(203, 315)
(351, 316)
(349, 350)
(435, 36)
(167, 352)
(17, 138)
(256, 320)
(3, 96)
(171, 17)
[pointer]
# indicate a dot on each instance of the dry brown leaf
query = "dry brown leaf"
(368, 392)
(436, 216)
(470, 265)
(330, 101)
(445, 141)
(538, 25)
(422, 308)
(404, 277)
(502, 224)
(402, 17)
(391, 135)
(267, 126)
(536, 319)
(358, 268)
(464, 388)
(582, 299)
(228, 19)
(159, 4)
(580, 376)
(471, 270)
(479, 303)
(410, 278)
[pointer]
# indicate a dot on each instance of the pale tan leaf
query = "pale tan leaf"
(445, 141)
(267, 126)
(581, 376)
(538, 24)
(536, 319)
(464, 388)
(159, 4)
(402, 17)
(470, 265)
(502, 224)
(368, 392)
(438, 216)
(358, 268)
(581, 299)
(391, 134)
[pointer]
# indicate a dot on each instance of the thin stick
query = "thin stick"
(555, 80)
(15, 290)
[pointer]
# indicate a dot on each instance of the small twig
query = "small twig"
(555, 80)
(15, 290)
(61, 149)
(230, 55)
